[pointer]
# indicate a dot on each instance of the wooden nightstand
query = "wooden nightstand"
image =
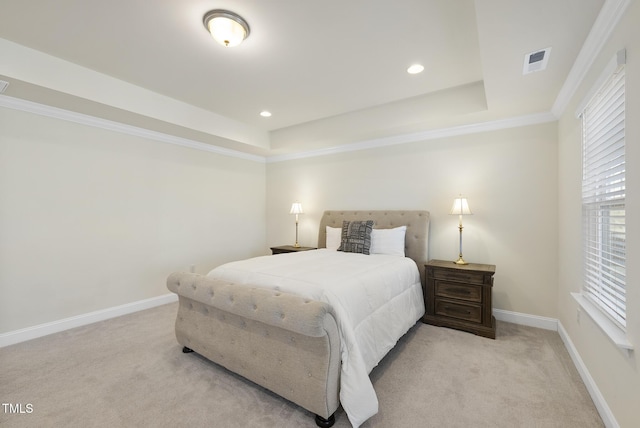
(289, 249)
(459, 296)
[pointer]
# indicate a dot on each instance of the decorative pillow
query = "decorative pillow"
(388, 241)
(334, 237)
(356, 236)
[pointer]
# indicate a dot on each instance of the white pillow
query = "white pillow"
(388, 241)
(334, 238)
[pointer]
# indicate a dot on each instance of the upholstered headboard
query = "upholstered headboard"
(416, 238)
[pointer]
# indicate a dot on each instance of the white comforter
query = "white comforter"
(376, 298)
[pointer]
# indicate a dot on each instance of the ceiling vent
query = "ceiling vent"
(536, 61)
(3, 85)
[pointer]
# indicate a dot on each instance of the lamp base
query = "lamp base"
(460, 261)
(296, 245)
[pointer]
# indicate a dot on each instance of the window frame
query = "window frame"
(603, 292)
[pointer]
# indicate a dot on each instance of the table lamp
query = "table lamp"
(296, 208)
(460, 207)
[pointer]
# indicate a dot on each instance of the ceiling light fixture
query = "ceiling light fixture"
(415, 69)
(265, 113)
(227, 28)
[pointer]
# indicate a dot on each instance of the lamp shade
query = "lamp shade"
(296, 208)
(460, 207)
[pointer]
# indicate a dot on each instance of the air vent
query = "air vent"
(3, 85)
(536, 61)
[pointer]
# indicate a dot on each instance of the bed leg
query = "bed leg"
(187, 350)
(325, 423)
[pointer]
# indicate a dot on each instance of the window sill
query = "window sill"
(608, 327)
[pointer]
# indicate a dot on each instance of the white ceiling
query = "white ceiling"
(331, 72)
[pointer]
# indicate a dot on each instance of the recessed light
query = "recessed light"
(415, 69)
(265, 113)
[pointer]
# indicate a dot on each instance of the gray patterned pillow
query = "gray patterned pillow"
(356, 236)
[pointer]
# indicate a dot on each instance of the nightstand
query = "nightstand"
(459, 296)
(289, 249)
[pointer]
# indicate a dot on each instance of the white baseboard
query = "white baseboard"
(34, 332)
(526, 319)
(555, 325)
(601, 405)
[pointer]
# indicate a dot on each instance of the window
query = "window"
(603, 197)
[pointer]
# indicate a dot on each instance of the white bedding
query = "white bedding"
(376, 298)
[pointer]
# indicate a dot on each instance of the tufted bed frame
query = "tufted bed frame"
(283, 342)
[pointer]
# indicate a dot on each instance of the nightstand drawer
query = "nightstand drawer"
(459, 310)
(466, 277)
(454, 290)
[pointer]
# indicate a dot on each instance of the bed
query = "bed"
(310, 326)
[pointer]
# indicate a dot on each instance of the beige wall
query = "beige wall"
(91, 219)
(508, 176)
(615, 373)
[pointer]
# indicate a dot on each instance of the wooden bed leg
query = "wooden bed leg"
(187, 350)
(325, 423)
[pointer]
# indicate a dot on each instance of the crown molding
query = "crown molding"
(84, 119)
(610, 14)
(514, 122)
(109, 125)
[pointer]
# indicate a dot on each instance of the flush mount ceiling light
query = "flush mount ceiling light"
(227, 28)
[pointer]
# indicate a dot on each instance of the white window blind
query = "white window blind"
(603, 198)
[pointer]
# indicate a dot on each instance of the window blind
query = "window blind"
(603, 198)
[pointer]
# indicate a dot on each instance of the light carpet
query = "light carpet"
(131, 372)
